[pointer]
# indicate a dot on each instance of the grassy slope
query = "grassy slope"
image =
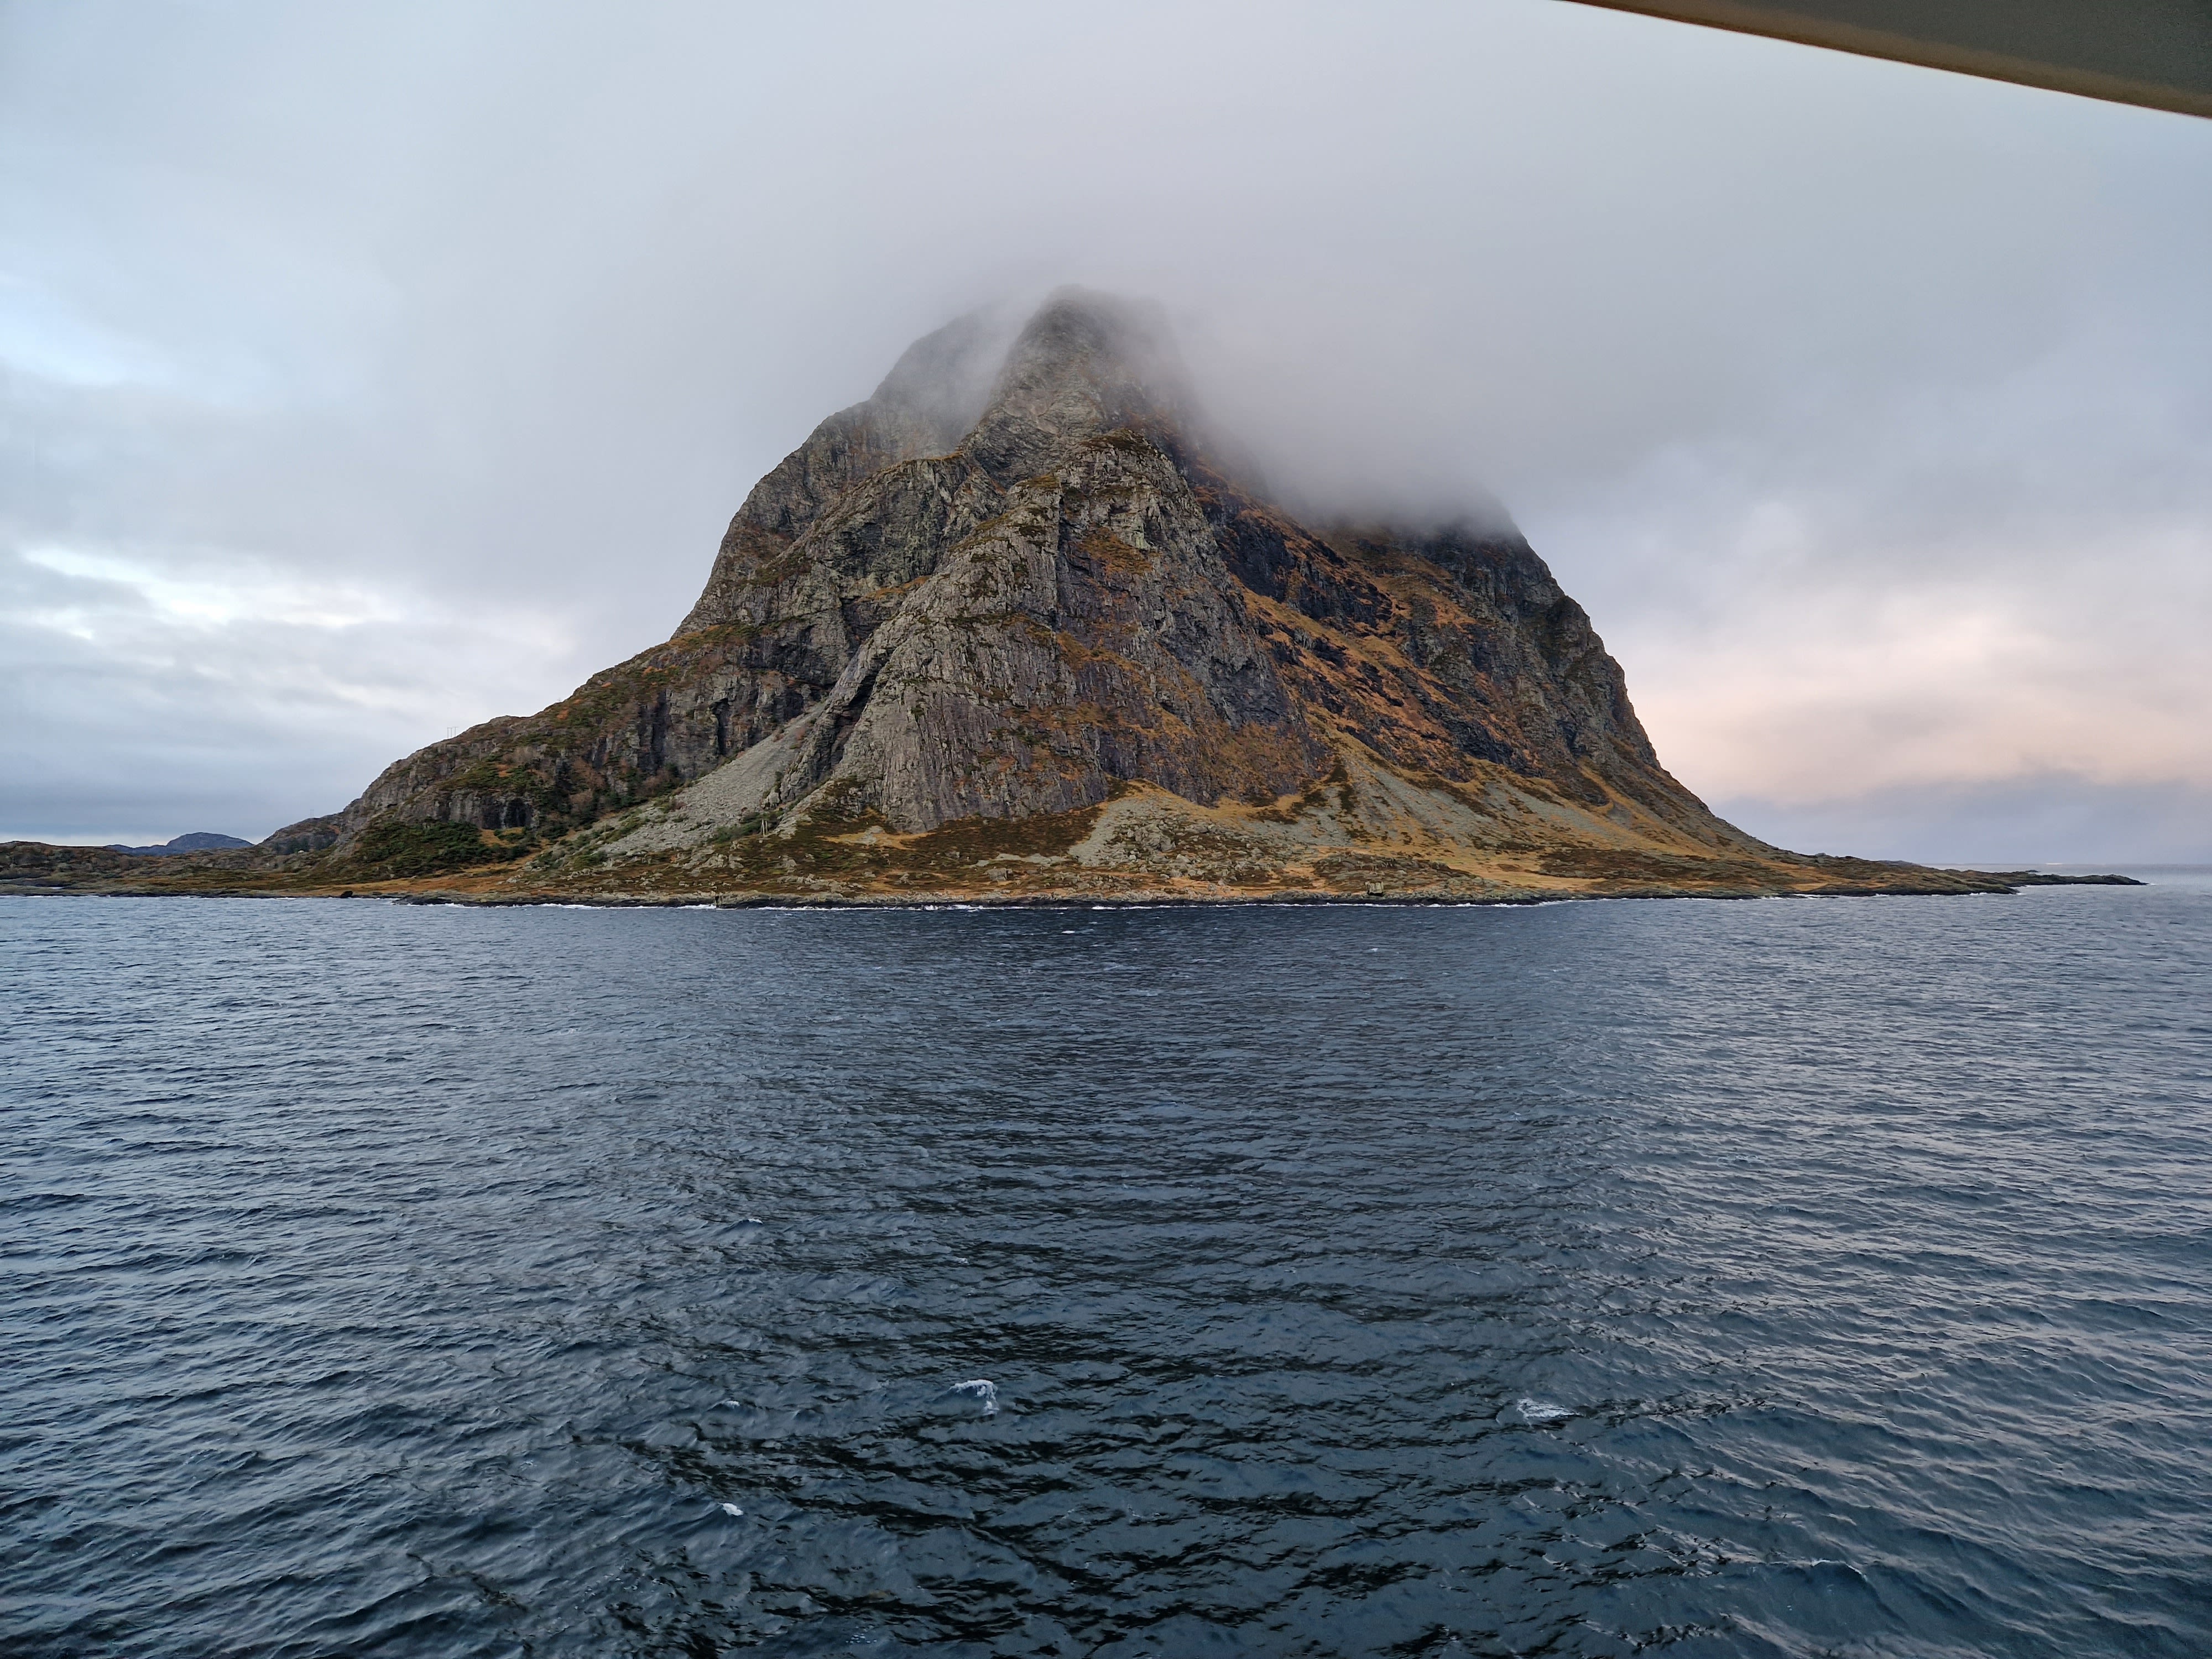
(1163, 848)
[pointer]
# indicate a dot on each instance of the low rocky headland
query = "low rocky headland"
(1146, 847)
(1011, 631)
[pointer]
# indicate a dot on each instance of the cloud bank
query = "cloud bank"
(363, 375)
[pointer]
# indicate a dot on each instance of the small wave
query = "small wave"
(42, 1201)
(731, 1508)
(1541, 1410)
(984, 1390)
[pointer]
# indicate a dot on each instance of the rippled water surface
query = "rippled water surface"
(1798, 1277)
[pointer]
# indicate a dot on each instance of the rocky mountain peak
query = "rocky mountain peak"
(1084, 365)
(1006, 590)
(942, 383)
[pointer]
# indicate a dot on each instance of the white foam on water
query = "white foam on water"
(1541, 1411)
(731, 1509)
(984, 1390)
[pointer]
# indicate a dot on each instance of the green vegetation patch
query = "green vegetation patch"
(973, 841)
(391, 850)
(823, 845)
(1605, 864)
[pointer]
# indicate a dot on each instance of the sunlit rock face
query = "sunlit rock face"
(1021, 581)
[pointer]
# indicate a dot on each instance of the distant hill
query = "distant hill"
(200, 841)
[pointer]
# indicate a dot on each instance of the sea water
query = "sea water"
(1800, 1277)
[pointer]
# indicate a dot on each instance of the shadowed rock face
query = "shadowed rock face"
(1013, 582)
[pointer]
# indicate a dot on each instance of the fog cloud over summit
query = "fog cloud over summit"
(367, 372)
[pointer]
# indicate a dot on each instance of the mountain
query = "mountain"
(1017, 627)
(200, 841)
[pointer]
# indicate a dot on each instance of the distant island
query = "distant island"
(1015, 630)
(199, 841)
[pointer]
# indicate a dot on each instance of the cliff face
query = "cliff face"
(997, 596)
(769, 635)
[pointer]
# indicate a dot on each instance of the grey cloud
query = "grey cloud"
(2037, 818)
(236, 697)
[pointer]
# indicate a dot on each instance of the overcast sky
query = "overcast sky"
(369, 371)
